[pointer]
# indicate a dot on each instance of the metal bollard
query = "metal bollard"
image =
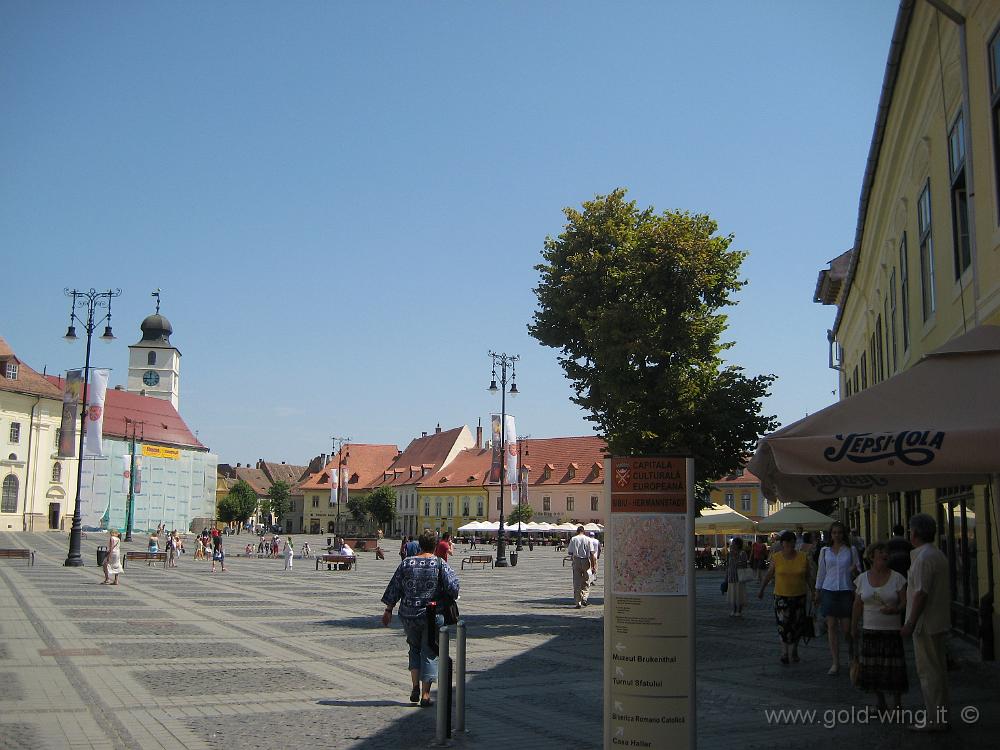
(444, 688)
(460, 676)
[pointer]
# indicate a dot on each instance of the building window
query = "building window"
(994, 54)
(465, 505)
(499, 502)
(959, 197)
(546, 503)
(479, 506)
(729, 499)
(427, 508)
(451, 507)
(57, 472)
(864, 370)
(890, 324)
(10, 370)
(594, 500)
(15, 432)
(745, 501)
(879, 358)
(857, 383)
(151, 359)
(904, 291)
(9, 502)
(570, 503)
(437, 508)
(928, 301)
(315, 501)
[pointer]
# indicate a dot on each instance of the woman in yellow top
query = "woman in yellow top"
(790, 571)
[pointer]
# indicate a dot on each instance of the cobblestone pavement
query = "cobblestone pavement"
(258, 656)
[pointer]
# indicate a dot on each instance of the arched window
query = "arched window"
(9, 501)
(151, 359)
(57, 472)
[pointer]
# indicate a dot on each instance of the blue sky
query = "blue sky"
(343, 203)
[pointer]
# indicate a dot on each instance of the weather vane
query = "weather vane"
(157, 295)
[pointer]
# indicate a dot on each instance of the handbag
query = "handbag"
(444, 605)
(808, 631)
(724, 586)
(743, 575)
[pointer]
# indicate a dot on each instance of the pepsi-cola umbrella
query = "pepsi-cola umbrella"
(936, 424)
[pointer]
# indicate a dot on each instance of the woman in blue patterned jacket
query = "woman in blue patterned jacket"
(418, 580)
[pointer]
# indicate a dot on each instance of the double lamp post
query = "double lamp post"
(505, 362)
(93, 301)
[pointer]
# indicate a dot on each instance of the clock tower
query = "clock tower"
(153, 362)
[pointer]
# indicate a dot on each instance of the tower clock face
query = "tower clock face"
(151, 378)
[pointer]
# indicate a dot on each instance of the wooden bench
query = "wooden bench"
(19, 553)
(149, 557)
(483, 560)
(348, 561)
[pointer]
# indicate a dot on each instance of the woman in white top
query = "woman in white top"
(878, 606)
(289, 553)
(838, 565)
(113, 560)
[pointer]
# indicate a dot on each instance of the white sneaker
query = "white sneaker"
(578, 605)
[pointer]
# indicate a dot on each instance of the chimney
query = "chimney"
(423, 434)
(238, 465)
(479, 433)
(437, 430)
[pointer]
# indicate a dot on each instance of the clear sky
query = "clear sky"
(343, 203)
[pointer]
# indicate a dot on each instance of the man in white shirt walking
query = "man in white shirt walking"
(581, 549)
(928, 619)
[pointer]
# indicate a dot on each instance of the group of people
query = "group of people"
(897, 589)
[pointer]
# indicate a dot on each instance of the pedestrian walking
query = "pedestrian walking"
(928, 619)
(737, 574)
(758, 558)
(113, 560)
(838, 567)
(172, 549)
(289, 553)
(584, 566)
(790, 571)
(444, 547)
(218, 555)
(419, 579)
(413, 545)
(306, 550)
(876, 619)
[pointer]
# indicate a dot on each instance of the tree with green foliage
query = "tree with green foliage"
(382, 506)
(632, 300)
(357, 506)
(522, 512)
(240, 503)
(279, 502)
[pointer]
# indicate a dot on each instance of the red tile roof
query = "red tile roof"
(160, 421)
(365, 461)
(743, 477)
(27, 381)
(284, 472)
(558, 455)
(470, 468)
(256, 478)
(426, 452)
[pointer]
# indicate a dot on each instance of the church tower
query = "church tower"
(154, 364)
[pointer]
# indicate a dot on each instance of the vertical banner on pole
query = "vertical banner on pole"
(334, 486)
(649, 662)
(344, 474)
(71, 399)
(497, 458)
(95, 413)
(510, 459)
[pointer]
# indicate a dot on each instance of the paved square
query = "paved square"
(184, 658)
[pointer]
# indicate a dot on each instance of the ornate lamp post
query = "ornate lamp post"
(505, 361)
(93, 301)
(130, 508)
(339, 450)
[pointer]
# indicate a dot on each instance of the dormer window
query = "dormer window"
(547, 472)
(572, 470)
(10, 370)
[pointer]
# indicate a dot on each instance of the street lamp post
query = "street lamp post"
(340, 467)
(505, 361)
(93, 301)
(130, 507)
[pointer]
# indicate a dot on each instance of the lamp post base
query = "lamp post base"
(501, 562)
(73, 562)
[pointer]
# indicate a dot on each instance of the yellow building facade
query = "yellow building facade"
(925, 264)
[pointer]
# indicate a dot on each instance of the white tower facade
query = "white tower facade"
(154, 364)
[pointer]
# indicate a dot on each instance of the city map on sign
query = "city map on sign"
(650, 554)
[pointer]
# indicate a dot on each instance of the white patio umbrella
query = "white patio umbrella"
(721, 519)
(565, 527)
(792, 515)
(592, 527)
(936, 424)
